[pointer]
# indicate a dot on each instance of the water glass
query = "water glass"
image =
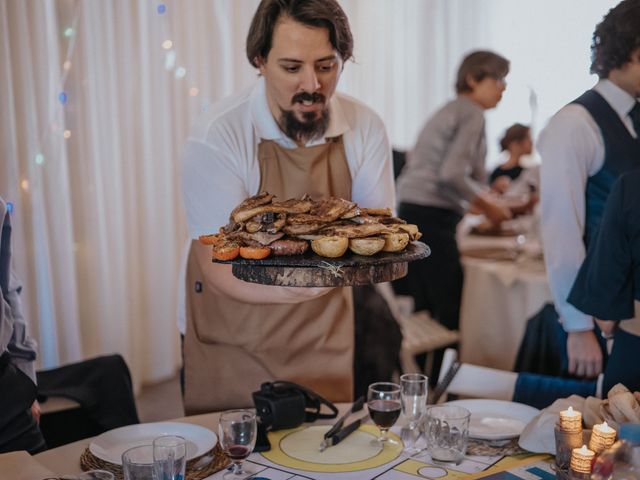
(237, 437)
(447, 432)
(169, 457)
(383, 401)
(137, 463)
(414, 391)
(96, 475)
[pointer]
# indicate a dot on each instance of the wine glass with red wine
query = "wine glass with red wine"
(237, 439)
(383, 400)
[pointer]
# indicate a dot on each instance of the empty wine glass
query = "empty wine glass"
(383, 400)
(414, 390)
(237, 438)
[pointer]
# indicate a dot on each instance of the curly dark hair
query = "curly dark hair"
(316, 13)
(615, 38)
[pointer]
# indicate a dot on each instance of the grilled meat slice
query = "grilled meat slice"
(390, 220)
(302, 228)
(262, 238)
(289, 246)
(250, 203)
(383, 212)
(292, 205)
(354, 231)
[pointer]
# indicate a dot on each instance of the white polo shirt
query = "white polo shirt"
(220, 160)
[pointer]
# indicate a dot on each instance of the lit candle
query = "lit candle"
(581, 459)
(570, 420)
(602, 437)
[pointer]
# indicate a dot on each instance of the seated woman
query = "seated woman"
(608, 283)
(517, 141)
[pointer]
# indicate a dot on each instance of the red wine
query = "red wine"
(238, 452)
(384, 413)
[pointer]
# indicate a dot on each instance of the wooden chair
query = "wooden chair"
(420, 333)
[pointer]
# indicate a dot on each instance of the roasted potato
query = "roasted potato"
(366, 246)
(331, 247)
(395, 242)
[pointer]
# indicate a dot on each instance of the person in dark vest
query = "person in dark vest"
(608, 283)
(585, 147)
(289, 134)
(19, 409)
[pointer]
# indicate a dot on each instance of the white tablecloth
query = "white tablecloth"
(498, 298)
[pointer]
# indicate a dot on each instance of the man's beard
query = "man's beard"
(311, 126)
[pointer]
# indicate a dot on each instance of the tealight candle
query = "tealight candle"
(571, 420)
(602, 437)
(581, 459)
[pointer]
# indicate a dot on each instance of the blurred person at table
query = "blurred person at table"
(516, 142)
(290, 134)
(19, 409)
(608, 282)
(445, 175)
(584, 148)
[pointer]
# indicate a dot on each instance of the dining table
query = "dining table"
(391, 463)
(505, 284)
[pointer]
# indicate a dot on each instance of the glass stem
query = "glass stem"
(237, 467)
(383, 434)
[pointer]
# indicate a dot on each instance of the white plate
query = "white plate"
(496, 419)
(110, 445)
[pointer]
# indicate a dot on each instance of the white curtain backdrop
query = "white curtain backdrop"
(96, 98)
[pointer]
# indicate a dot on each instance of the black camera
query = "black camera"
(281, 405)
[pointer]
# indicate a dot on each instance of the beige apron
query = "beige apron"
(231, 347)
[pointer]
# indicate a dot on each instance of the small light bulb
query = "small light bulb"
(181, 72)
(39, 159)
(193, 91)
(167, 44)
(24, 184)
(67, 134)
(66, 65)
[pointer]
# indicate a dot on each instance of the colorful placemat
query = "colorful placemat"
(299, 449)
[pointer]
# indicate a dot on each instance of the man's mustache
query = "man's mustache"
(315, 97)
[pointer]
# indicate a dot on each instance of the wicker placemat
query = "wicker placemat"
(486, 448)
(197, 468)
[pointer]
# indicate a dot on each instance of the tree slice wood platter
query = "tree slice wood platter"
(311, 270)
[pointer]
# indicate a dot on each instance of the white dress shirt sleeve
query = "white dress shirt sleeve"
(212, 186)
(572, 149)
(372, 184)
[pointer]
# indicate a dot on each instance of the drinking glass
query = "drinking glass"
(447, 432)
(383, 400)
(137, 463)
(169, 457)
(237, 438)
(414, 390)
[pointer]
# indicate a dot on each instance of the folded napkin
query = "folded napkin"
(22, 466)
(621, 406)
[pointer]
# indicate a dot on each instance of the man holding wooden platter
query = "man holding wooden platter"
(290, 135)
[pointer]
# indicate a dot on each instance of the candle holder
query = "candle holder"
(565, 443)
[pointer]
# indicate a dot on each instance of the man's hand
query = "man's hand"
(35, 411)
(585, 356)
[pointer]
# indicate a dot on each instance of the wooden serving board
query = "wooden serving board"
(311, 270)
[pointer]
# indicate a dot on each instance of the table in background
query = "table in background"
(498, 298)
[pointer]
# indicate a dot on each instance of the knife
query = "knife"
(356, 406)
(337, 437)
